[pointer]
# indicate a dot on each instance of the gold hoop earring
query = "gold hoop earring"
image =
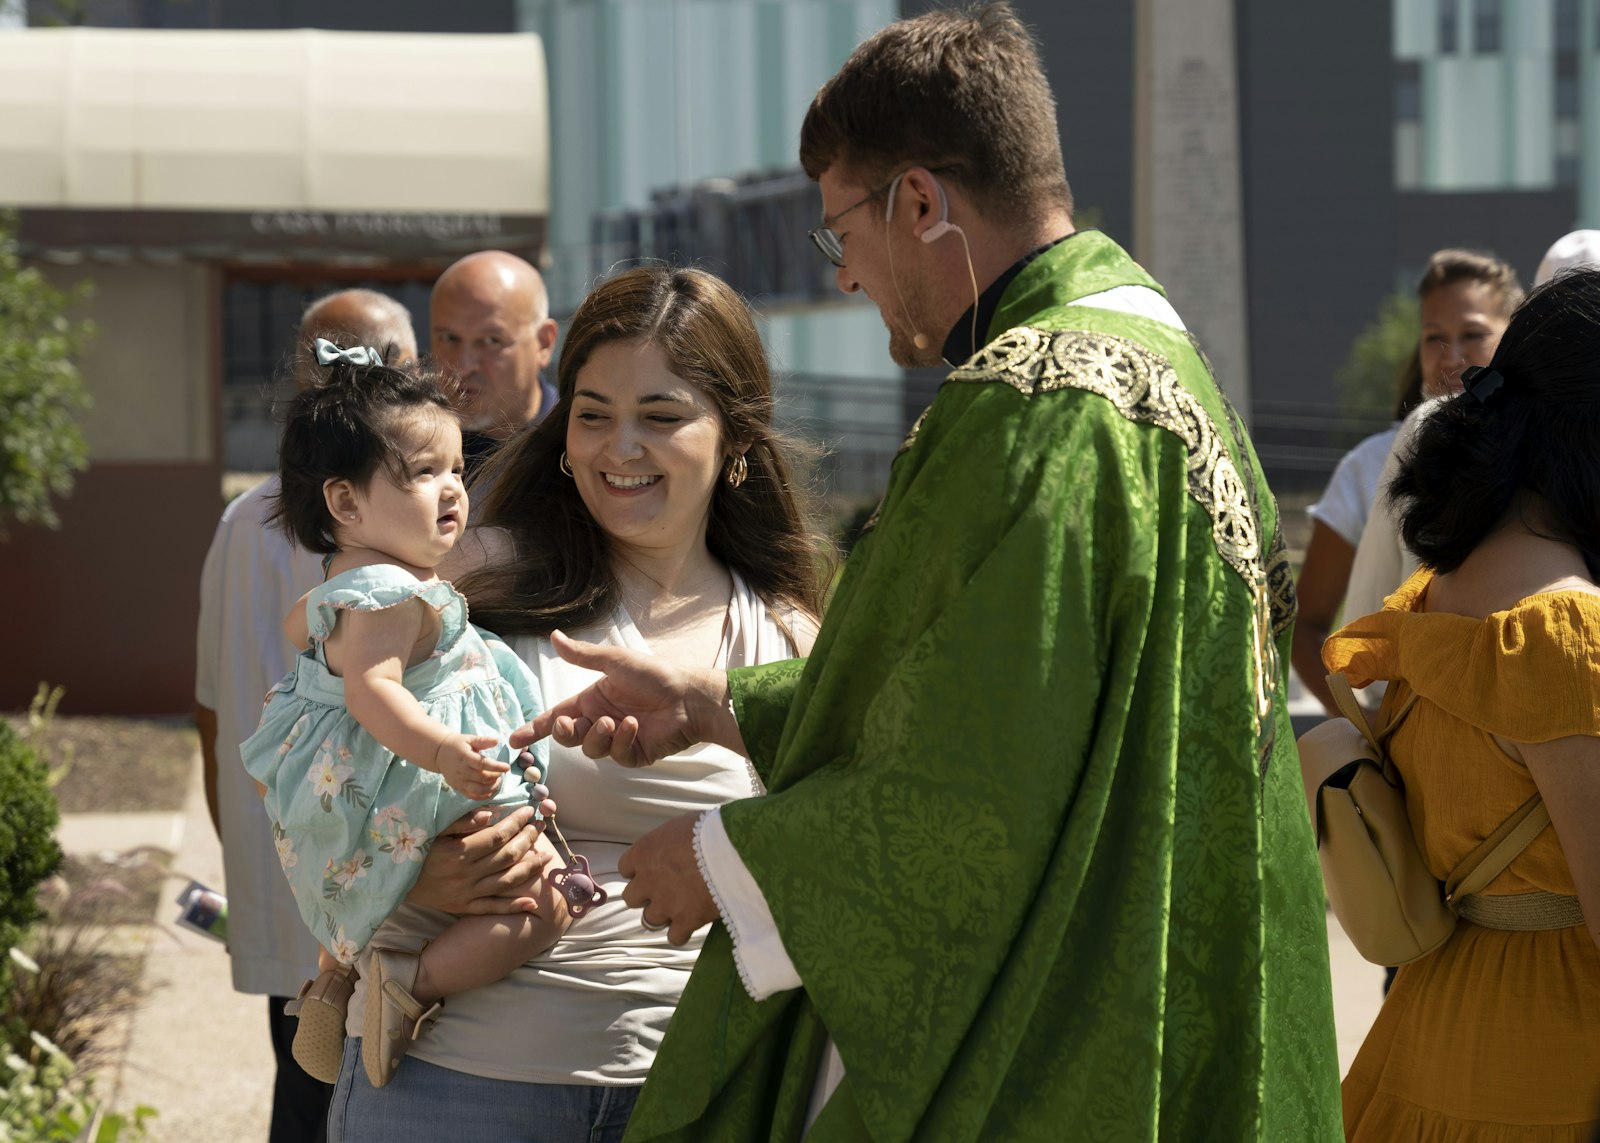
(738, 469)
(566, 465)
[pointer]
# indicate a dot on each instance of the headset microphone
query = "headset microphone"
(944, 226)
(935, 232)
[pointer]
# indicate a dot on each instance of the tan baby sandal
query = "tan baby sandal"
(394, 1017)
(321, 1006)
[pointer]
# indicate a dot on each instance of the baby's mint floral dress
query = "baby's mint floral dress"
(351, 821)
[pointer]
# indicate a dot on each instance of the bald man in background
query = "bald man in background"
(490, 322)
(252, 576)
(352, 317)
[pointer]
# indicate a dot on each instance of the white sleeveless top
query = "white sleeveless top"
(593, 1008)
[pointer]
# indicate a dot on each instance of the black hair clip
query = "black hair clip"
(1482, 383)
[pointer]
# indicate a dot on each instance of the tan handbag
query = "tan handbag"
(1391, 906)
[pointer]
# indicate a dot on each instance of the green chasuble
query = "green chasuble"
(1034, 838)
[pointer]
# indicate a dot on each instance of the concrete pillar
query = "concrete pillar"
(1187, 227)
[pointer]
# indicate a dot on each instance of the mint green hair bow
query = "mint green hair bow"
(330, 354)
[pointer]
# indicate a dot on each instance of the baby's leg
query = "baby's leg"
(475, 951)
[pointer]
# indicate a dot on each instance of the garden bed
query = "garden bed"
(117, 765)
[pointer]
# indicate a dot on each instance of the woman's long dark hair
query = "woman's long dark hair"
(1538, 433)
(562, 575)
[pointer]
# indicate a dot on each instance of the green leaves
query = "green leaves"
(28, 849)
(42, 395)
(1369, 379)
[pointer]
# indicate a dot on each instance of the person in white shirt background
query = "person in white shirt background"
(1465, 299)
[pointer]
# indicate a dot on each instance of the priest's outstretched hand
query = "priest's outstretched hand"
(641, 710)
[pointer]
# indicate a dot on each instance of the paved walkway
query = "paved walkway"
(198, 1052)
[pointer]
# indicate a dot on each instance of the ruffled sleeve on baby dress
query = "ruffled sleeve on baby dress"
(377, 587)
(1530, 673)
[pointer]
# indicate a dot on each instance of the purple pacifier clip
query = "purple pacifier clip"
(574, 882)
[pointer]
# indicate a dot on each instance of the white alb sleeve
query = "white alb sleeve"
(758, 952)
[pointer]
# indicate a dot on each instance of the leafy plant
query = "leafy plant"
(61, 981)
(57, 757)
(79, 982)
(73, 981)
(42, 395)
(1369, 377)
(44, 1097)
(850, 522)
(28, 849)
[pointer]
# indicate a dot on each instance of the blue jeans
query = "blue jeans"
(425, 1103)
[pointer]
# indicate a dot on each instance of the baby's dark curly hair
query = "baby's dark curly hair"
(341, 427)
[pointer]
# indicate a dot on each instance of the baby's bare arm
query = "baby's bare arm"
(295, 625)
(372, 650)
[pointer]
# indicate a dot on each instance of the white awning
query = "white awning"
(115, 119)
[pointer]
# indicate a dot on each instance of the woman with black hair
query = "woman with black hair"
(1496, 1035)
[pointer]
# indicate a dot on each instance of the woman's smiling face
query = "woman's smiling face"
(646, 447)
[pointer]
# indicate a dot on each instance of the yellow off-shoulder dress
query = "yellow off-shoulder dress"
(1495, 1037)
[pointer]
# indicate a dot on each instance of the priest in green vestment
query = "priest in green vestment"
(1033, 860)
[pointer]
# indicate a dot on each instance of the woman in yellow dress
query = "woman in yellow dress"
(1496, 1035)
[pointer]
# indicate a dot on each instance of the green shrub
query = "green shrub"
(28, 849)
(850, 522)
(1369, 378)
(44, 1098)
(42, 395)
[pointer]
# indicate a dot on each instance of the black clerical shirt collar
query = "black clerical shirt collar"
(959, 346)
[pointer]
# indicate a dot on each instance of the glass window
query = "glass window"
(1566, 25)
(1566, 87)
(1566, 170)
(1449, 27)
(1407, 90)
(1485, 26)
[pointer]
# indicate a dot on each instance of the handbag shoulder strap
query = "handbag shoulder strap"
(1498, 850)
(1345, 699)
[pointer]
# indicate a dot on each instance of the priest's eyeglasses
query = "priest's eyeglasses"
(827, 238)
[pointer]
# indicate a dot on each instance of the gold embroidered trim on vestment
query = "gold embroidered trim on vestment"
(1145, 388)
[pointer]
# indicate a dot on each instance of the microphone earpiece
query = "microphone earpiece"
(944, 226)
(940, 228)
(935, 232)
